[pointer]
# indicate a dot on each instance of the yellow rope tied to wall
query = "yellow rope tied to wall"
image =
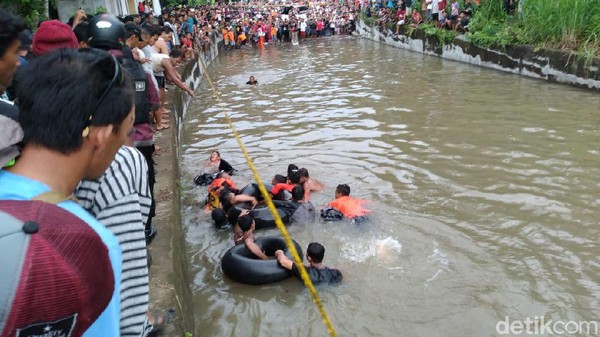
(305, 278)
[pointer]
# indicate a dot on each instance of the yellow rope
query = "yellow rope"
(305, 278)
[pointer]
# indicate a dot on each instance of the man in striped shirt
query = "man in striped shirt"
(121, 200)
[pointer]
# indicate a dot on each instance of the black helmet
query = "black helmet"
(106, 32)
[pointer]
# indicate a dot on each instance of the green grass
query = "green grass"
(562, 24)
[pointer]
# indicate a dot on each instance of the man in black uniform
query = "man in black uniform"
(316, 271)
(108, 33)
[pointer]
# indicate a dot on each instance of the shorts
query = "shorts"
(161, 81)
(435, 16)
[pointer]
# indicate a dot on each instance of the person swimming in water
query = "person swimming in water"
(252, 81)
(220, 164)
(348, 206)
(309, 184)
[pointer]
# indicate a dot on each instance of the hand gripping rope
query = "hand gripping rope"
(288, 240)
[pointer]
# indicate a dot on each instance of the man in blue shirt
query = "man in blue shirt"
(76, 109)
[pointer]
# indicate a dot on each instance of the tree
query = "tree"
(32, 11)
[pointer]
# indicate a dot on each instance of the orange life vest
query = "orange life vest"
(277, 188)
(350, 207)
(213, 195)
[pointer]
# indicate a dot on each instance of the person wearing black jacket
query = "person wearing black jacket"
(222, 165)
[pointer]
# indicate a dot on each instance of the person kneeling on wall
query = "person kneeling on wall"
(316, 271)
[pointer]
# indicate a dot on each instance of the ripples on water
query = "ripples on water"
(484, 188)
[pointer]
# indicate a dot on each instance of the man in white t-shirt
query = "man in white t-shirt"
(302, 29)
(435, 12)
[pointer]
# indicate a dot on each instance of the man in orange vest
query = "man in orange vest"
(350, 207)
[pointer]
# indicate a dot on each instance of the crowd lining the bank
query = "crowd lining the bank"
(80, 104)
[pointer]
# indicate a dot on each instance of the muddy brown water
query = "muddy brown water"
(484, 188)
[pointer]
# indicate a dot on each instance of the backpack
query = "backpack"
(56, 273)
(204, 179)
(11, 134)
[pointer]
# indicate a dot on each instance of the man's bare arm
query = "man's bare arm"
(170, 74)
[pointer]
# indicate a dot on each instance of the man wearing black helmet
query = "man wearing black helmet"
(122, 198)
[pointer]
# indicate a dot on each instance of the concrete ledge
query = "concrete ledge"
(547, 64)
(169, 278)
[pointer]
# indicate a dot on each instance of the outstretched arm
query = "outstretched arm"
(244, 198)
(171, 75)
(313, 185)
(283, 260)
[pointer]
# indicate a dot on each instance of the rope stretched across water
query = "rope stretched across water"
(305, 278)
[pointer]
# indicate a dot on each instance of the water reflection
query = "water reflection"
(484, 186)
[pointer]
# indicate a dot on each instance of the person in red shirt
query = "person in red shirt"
(350, 207)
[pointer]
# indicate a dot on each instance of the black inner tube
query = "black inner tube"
(240, 265)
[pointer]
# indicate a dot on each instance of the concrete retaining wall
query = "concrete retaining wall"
(547, 64)
(169, 274)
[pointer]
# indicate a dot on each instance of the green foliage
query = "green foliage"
(567, 24)
(198, 2)
(101, 10)
(369, 21)
(416, 5)
(443, 36)
(32, 11)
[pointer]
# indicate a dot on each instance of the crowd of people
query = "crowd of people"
(444, 14)
(262, 24)
(80, 103)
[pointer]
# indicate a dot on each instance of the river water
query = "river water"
(484, 188)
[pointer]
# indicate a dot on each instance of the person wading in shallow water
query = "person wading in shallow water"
(252, 81)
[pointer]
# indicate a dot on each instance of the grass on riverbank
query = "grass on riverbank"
(562, 24)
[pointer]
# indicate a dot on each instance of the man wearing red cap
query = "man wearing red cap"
(52, 35)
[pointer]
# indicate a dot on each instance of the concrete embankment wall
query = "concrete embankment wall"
(169, 278)
(547, 64)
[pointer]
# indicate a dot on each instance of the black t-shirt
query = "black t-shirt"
(252, 83)
(224, 166)
(127, 53)
(288, 207)
(317, 276)
(9, 110)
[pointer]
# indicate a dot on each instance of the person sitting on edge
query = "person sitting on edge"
(252, 81)
(247, 226)
(221, 165)
(298, 209)
(350, 207)
(316, 271)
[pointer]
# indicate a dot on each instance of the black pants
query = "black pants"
(147, 152)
